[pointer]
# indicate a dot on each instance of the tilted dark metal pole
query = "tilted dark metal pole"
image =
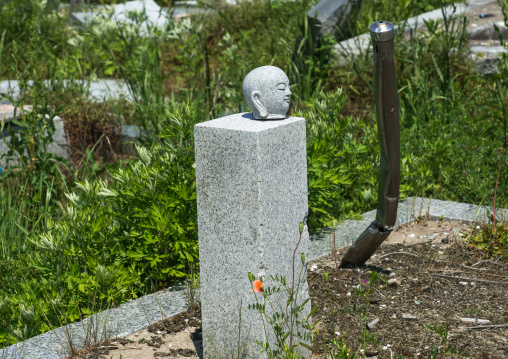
(387, 108)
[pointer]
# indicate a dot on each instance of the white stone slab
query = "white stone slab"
(99, 90)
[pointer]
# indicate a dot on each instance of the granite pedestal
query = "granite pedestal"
(251, 184)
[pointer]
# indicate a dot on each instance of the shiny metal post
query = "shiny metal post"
(387, 108)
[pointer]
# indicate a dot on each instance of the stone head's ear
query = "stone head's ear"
(256, 100)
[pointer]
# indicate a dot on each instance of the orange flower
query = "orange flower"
(258, 286)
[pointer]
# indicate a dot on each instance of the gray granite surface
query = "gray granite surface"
(139, 313)
(251, 186)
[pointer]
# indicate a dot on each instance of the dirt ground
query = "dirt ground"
(431, 277)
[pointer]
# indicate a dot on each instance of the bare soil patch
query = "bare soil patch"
(436, 279)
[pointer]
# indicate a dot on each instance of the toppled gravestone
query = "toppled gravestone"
(155, 16)
(59, 146)
(328, 15)
(488, 32)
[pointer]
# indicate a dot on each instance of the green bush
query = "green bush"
(342, 161)
(114, 242)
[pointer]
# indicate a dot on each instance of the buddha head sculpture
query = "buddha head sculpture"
(266, 90)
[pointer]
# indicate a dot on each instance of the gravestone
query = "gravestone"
(327, 15)
(488, 32)
(59, 146)
(251, 184)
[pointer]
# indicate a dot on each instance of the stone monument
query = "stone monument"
(251, 184)
(266, 90)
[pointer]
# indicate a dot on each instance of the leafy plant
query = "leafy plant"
(341, 153)
(492, 240)
(294, 326)
(28, 153)
(447, 349)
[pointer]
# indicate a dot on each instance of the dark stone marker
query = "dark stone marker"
(327, 15)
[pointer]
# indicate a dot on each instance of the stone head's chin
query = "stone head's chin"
(286, 106)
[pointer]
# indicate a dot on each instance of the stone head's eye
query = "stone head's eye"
(281, 87)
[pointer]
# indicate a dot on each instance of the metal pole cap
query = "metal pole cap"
(382, 31)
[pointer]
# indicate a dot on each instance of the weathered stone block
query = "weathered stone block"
(251, 183)
(329, 14)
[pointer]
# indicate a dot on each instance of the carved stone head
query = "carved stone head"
(266, 90)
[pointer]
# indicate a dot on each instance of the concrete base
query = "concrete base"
(251, 184)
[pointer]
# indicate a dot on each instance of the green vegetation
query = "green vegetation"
(108, 227)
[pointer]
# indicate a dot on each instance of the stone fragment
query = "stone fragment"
(392, 282)
(487, 65)
(372, 324)
(474, 320)
(408, 317)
